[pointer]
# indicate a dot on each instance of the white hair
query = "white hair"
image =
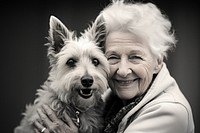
(144, 20)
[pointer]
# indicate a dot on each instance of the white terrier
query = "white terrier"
(77, 79)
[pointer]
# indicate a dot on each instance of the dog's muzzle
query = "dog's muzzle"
(86, 81)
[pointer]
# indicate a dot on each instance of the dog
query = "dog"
(77, 78)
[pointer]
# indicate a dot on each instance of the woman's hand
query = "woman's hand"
(49, 123)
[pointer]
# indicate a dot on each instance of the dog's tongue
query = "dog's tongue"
(85, 93)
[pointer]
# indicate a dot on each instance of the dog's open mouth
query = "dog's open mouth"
(86, 93)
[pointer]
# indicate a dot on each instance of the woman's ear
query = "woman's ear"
(158, 66)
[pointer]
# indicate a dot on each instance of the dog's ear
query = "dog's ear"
(98, 32)
(58, 34)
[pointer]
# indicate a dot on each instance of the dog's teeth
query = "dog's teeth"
(86, 93)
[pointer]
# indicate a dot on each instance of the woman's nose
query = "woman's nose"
(124, 68)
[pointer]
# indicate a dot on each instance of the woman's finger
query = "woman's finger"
(50, 113)
(69, 121)
(44, 118)
(39, 127)
(36, 130)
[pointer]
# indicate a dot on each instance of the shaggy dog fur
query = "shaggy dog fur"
(77, 79)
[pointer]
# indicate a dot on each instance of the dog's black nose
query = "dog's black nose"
(87, 81)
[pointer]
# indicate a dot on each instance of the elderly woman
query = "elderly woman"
(144, 97)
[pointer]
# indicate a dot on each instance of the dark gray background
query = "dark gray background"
(24, 66)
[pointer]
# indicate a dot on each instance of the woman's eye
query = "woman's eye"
(95, 61)
(135, 57)
(113, 59)
(71, 62)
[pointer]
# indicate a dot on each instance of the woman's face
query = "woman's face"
(131, 62)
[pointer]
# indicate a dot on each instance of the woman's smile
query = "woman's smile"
(125, 82)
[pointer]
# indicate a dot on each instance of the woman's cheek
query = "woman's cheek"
(113, 69)
(110, 80)
(146, 78)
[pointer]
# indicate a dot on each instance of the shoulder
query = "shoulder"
(161, 117)
(167, 110)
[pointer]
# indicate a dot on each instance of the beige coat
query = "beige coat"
(163, 109)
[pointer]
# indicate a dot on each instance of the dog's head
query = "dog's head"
(79, 69)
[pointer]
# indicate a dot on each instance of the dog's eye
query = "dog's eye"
(95, 61)
(71, 62)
